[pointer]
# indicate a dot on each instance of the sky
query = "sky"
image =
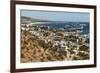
(57, 15)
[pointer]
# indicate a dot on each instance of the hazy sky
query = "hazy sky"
(57, 16)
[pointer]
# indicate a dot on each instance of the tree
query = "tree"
(83, 48)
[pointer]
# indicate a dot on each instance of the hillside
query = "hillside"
(25, 19)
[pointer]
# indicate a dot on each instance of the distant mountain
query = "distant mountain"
(25, 19)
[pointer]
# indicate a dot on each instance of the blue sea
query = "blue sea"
(58, 25)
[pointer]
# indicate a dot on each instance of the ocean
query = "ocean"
(58, 25)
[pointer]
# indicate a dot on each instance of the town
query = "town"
(41, 43)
